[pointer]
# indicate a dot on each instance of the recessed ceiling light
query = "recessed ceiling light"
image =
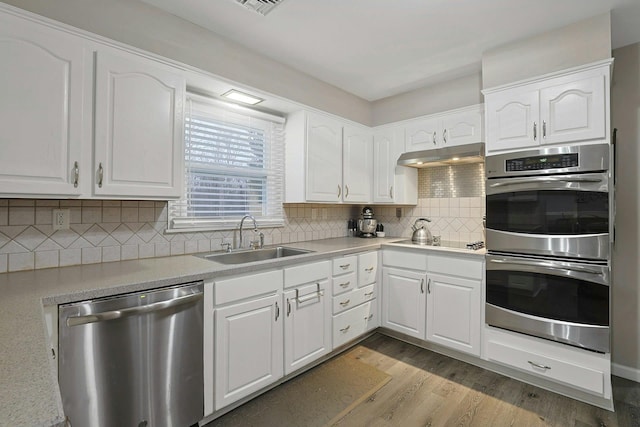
(456, 158)
(419, 163)
(245, 98)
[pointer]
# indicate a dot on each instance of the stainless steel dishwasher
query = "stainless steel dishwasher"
(133, 360)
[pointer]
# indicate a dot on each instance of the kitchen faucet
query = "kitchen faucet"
(255, 230)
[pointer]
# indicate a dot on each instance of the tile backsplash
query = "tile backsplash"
(104, 230)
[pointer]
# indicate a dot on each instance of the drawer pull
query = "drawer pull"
(345, 266)
(369, 317)
(345, 329)
(288, 307)
(317, 294)
(345, 303)
(368, 270)
(346, 284)
(537, 365)
(368, 294)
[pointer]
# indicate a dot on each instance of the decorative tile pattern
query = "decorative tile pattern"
(451, 181)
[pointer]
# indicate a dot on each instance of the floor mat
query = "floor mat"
(318, 397)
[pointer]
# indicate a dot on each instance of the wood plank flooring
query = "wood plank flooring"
(429, 389)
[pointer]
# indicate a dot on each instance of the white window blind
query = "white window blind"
(234, 166)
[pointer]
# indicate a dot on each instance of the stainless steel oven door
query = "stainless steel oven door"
(563, 215)
(559, 300)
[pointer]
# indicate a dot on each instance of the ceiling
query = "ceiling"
(375, 49)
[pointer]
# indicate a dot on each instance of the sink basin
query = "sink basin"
(254, 255)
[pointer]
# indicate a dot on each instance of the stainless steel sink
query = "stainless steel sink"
(254, 255)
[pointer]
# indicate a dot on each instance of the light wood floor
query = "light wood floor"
(429, 389)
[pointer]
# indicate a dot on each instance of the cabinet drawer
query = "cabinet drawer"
(453, 265)
(306, 273)
(345, 264)
(353, 323)
(572, 366)
(344, 283)
(351, 299)
(247, 286)
(367, 268)
(405, 259)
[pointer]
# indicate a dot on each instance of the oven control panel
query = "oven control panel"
(555, 161)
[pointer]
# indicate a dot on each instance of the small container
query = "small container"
(380, 230)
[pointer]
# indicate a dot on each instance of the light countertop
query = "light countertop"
(28, 386)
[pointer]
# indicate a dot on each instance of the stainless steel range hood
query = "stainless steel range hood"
(469, 153)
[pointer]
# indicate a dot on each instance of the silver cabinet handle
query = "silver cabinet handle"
(100, 175)
(369, 270)
(368, 294)
(544, 129)
(429, 285)
(345, 266)
(345, 329)
(277, 311)
(535, 131)
(345, 284)
(345, 303)
(126, 312)
(391, 192)
(369, 317)
(288, 307)
(346, 191)
(422, 286)
(339, 191)
(444, 136)
(317, 294)
(537, 365)
(433, 139)
(76, 174)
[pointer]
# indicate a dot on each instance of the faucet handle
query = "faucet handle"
(226, 246)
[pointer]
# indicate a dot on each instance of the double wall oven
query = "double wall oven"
(548, 239)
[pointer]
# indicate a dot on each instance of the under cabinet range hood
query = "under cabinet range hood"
(457, 154)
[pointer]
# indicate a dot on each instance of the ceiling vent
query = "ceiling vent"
(261, 6)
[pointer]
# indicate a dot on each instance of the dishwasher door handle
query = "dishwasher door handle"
(125, 312)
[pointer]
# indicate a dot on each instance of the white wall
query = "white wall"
(455, 93)
(625, 109)
(581, 43)
(149, 28)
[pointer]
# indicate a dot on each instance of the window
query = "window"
(234, 166)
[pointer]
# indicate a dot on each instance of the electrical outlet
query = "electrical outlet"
(398, 212)
(61, 219)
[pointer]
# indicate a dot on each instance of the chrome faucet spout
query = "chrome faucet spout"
(255, 227)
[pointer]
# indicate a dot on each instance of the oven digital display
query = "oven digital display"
(555, 161)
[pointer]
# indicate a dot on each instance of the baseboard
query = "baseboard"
(627, 372)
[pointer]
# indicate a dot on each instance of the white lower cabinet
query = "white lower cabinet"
(585, 370)
(350, 324)
(404, 301)
(307, 318)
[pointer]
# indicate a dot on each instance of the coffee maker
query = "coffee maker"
(367, 224)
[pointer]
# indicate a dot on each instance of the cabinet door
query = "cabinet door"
(357, 173)
(403, 301)
(422, 134)
(139, 134)
(512, 120)
(324, 159)
(41, 109)
(573, 111)
(307, 325)
(367, 268)
(453, 312)
(462, 128)
(384, 166)
(248, 348)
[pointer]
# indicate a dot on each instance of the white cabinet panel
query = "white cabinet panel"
(307, 325)
(357, 169)
(324, 159)
(456, 127)
(367, 268)
(462, 128)
(422, 134)
(249, 340)
(352, 323)
(41, 110)
(404, 301)
(392, 183)
(512, 120)
(138, 128)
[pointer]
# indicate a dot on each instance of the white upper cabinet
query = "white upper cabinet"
(138, 128)
(455, 127)
(567, 107)
(392, 183)
(327, 160)
(41, 109)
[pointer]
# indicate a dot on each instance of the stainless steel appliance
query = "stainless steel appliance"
(551, 201)
(421, 234)
(133, 360)
(548, 239)
(367, 224)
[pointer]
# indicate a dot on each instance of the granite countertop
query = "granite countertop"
(28, 384)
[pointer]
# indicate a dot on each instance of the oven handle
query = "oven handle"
(543, 180)
(547, 265)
